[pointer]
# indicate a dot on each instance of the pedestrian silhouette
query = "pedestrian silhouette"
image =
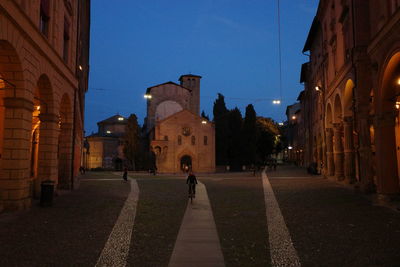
(125, 175)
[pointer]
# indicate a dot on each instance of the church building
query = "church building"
(180, 138)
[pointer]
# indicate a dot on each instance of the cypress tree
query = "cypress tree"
(220, 113)
(249, 136)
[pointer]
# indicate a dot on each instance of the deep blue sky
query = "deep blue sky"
(232, 44)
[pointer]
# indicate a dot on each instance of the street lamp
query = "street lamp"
(293, 117)
(204, 122)
(276, 101)
(147, 96)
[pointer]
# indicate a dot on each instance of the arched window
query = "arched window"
(193, 140)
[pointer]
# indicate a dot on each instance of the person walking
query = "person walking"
(191, 181)
(125, 175)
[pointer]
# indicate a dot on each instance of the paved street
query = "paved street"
(328, 224)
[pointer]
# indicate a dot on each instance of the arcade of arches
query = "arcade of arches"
(363, 147)
(41, 116)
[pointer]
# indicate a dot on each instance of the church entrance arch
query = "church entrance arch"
(186, 163)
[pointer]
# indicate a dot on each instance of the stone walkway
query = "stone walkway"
(116, 250)
(197, 243)
(282, 250)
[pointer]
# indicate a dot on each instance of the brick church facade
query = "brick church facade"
(44, 54)
(179, 137)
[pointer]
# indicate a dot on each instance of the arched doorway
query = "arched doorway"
(338, 138)
(186, 163)
(387, 131)
(348, 143)
(45, 127)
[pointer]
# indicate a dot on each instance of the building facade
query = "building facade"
(179, 137)
(105, 148)
(44, 52)
(351, 92)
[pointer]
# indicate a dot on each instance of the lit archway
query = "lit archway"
(387, 127)
(44, 130)
(186, 163)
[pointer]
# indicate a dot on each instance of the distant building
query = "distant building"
(44, 66)
(351, 93)
(105, 148)
(292, 128)
(179, 137)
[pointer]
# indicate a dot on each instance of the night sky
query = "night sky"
(232, 44)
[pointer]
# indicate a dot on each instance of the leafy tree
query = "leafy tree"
(220, 113)
(235, 140)
(132, 145)
(249, 136)
(267, 133)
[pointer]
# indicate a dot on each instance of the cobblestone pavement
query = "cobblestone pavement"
(332, 225)
(328, 223)
(71, 233)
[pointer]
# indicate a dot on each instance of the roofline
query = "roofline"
(311, 34)
(183, 110)
(170, 82)
(189, 75)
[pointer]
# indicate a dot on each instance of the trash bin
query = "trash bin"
(47, 192)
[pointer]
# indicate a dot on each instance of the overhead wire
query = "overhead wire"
(279, 51)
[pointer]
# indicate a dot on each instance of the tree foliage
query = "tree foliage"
(203, 115)
(249, 135)
(235, 140)
(132, 144)
(220, 113)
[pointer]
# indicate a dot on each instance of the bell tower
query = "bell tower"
(192, 82)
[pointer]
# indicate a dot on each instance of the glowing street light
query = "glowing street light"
(120, 118)
(317, 88)
(290, 148)
(293, 117)
(276, 102)
(147, 96)
(397, 105)
(204, 122)
(280, 124)
(398, 81)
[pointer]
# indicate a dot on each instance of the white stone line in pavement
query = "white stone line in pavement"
(116, 250)
(197, 243)
(102, 179)
(281, 246)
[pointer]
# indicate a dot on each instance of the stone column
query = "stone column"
(349, 163)
(338, 151)
(65, 156)
(15, 183)
(48, 147)
(386, 165)
(329, 152)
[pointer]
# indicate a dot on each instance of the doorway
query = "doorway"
(186, 163)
